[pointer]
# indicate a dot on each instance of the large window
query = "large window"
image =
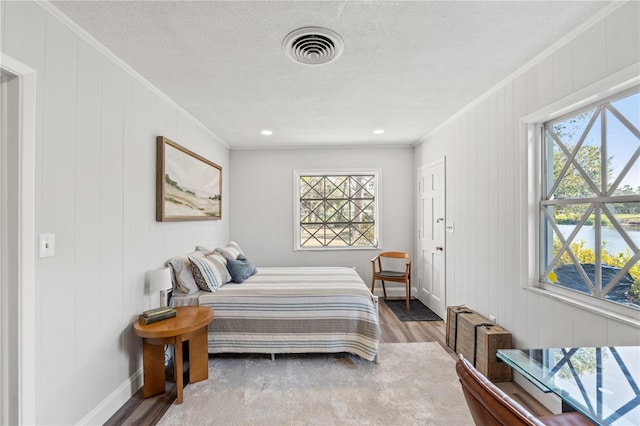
(590, 207)
(336, 210)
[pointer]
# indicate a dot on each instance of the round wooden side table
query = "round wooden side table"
(189, 324)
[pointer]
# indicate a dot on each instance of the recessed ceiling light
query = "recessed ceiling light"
(378, 132)
(267, 132)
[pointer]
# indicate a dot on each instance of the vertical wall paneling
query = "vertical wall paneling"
(489, 153)
(619, 334)
(501, 204)
(520, 303)
(590, 56)
(156, 236)
(110, 224)
(139, 204)
(544, 74)
(493, 266)
(589, 328)
(545, 323)
(623, 37)
(132, 276)
(58, 215)
(508, 251)
(563, 330)
(95, 189)
(454, 248)
(533, 321)
(481, 212)
(453, 215)
(563, 71)
(471, 215)
(87, 210)
(139, 201)
(532, 89)
(507, 217)
(465, 235)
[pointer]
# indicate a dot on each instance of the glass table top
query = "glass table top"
(602, 382)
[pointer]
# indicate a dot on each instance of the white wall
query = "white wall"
(487, 257)
(95, 189)
(96, 127)
(262, 203)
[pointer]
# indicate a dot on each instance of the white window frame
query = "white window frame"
(599, 201)
(377, 173)
(532, 137)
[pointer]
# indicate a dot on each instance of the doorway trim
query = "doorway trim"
(26, 237)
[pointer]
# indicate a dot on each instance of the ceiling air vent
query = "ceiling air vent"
(313, 45)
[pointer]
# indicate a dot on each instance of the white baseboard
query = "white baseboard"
(394, 292)
(112, 403)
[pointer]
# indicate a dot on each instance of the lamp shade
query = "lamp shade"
(160, 279)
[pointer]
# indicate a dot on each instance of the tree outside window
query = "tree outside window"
(590, 208)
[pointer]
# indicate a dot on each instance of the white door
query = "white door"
(431, 187)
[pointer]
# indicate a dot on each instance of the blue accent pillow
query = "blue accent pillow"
(240, 269)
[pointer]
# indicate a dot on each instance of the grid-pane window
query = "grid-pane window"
(336, 210)
(590, 207)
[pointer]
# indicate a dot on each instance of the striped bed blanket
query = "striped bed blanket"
(293, 310)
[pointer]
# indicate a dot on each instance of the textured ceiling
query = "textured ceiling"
(407, 66)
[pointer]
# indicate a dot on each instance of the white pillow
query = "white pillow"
(209, 272)
(231, 251)
(183, 280)
(205, 249)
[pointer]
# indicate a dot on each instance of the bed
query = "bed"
(292, 310)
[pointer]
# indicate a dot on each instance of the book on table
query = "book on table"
(157, 317)
(157, 311)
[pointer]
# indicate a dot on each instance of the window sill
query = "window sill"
(631, 320)
(333, 248)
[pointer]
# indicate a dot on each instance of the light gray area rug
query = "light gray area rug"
(414, 383)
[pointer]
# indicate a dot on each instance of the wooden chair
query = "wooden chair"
(379, 273)
(490, 406)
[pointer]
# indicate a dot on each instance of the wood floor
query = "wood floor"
(142, 412)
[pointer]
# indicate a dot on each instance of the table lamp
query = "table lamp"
(160, 280)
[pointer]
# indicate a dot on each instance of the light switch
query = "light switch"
(47, 245)
(451, 227)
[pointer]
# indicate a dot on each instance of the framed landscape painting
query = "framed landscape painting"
(188, 186)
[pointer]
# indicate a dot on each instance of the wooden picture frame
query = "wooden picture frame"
(188, 186)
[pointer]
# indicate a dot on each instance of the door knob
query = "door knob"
(440, 219)
(440, 248)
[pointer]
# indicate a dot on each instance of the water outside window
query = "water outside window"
(590, 209)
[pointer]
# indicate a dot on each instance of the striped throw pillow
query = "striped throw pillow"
(231, 251)
(209, 272)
